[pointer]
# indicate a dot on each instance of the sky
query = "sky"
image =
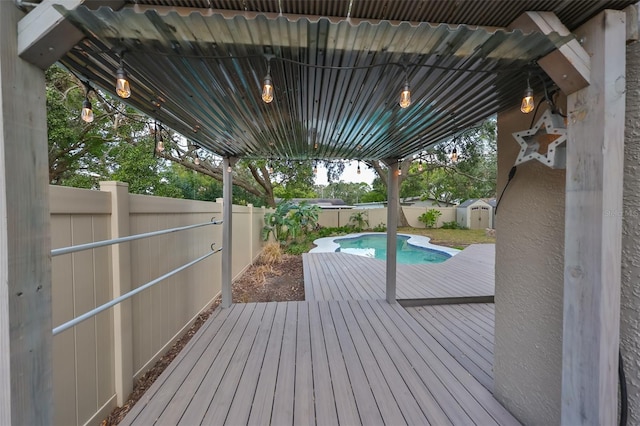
(350, 174)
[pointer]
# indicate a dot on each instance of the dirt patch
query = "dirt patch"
(260, 283)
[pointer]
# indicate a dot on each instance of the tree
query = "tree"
(433, 174)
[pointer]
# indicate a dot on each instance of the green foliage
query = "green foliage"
(452, 225)
(430, 217)
(359, 220)
(288, 221)
(381, 227)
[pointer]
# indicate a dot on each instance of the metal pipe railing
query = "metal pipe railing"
(128, 295)
(80, 247)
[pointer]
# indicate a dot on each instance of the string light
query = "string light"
(271, 167)
(315, 169)
(399, 168)
(454, 155)
(122, 82)
(405, 96)
(358, 171)
(229, 169)
(527, 104)
(87, 111)
(420, 168)
(158, 136)
(267, 84)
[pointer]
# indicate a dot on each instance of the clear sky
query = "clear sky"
(350, 174)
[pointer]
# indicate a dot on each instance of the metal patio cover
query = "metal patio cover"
(337, 68)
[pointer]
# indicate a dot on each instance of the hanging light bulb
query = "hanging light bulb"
(87, 111)
(122, 83)
(271, 168)
(527, 104)
(358, 171)
(399, 168)
(405, 96)
(454, 155)
(420, 168)
(315, 169)
(315, 145)
(229, 169)
(160, 144)
(196, 160)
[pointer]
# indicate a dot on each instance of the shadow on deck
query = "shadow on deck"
(331, 362)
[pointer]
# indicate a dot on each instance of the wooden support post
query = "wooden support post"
(25, 246)
(392, 227)
(593, 222)
(227, 215)
(121, 284)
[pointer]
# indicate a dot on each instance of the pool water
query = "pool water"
(375, 246)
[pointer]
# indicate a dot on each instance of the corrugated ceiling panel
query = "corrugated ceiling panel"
(201, 74)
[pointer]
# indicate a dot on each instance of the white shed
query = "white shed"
(475, 214)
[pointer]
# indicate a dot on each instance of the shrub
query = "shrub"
(453, 225)
(430, 217)
(359, 220)
(381, 227)
(271, 254)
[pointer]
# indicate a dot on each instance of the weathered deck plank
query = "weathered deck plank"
(340, 276)
(469, 343)
(322, 362)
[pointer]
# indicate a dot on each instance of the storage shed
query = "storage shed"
(475, 214)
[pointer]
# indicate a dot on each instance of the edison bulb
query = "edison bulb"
(405, 97)
(87, 111)
(267, 90)
(122, 84)
(160, 146)
(527, 101)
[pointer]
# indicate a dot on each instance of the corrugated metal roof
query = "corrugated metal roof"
(199, 71)
(496, 13)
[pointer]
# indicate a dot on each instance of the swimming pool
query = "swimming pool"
(411, 249)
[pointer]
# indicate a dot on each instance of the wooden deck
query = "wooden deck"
(324, 362)
(344, 356)
(465, 331)
(340, 276)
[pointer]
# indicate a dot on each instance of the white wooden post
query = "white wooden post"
(25, 262)
(121, 284)
(392, 227)
(227, 216)
(593, 221)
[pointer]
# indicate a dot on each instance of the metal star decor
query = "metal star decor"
(545, 142)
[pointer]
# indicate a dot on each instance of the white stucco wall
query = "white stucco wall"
(630, 298)
(529, 282)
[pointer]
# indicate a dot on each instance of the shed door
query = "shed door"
(479, 218)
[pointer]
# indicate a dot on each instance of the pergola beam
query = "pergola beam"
(569, 66)
(45, 35)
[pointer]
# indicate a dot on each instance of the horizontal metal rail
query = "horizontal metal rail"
(93, 312)
(80, 247)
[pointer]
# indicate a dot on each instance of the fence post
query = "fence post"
(121, 283)
(251, 231)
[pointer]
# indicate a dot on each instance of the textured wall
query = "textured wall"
(630, 300)
(529, 282)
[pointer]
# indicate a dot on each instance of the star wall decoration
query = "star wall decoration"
(546, 142)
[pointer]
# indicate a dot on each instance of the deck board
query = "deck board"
(319, 362)
(341, 276)
(469, 343)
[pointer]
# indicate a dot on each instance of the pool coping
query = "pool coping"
(328, 244)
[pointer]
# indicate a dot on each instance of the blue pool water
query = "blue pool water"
(375, 246)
